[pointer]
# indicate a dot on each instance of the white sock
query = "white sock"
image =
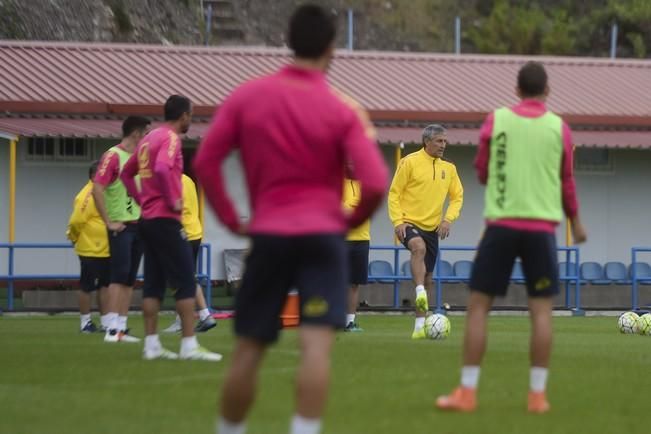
(226, 427)
(122, 322)
(419, 289)
(112, 320)
(204, 313)
(419, 323)
(178, 319)
(470, 376)
(104, 320)
(302, 425)
(189, 344)
(537, 379)
(350, 318)
(85, 317)
(152, 343)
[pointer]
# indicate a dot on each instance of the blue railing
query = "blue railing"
(636, 278)
(204, 261)
(571, 279)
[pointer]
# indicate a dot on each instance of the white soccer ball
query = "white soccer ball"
(437, 326)
(644, 324)
(628, 323)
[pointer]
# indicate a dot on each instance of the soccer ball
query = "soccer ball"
(437, 326)
(628, 323)
(644, 324)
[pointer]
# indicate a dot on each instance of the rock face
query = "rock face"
(145, 21)
(233, 22)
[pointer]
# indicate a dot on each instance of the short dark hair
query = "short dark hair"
(532, 79)
(134, 123)
(311, 31)
(93, 169)
(176, 106)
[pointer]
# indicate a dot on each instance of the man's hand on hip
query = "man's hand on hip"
(401, 231)
(444, 229)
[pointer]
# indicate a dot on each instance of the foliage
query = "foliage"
(554, 27)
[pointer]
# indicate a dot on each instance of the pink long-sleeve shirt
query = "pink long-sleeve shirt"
(159, 162)
(531, 108)
(295, 135)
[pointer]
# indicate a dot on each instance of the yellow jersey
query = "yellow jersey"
(351, 198)
(190, 214)
(86, 229)
(419, 189)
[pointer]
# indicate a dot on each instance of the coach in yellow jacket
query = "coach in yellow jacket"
(421, 184)
(87, 231)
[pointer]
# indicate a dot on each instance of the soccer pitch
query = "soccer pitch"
(55, 380)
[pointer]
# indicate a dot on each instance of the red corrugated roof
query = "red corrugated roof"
(114, 78)
(110, 128)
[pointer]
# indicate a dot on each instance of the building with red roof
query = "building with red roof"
(61, 106)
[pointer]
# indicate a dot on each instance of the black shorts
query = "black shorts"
(126, 252)
(95, 273)
(431, 239)
(195, 245)
(497, 252)
(168, 259)
(358, 262)
(315, 265)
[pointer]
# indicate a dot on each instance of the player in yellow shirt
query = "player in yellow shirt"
(421, 184)
(358, 243)
(194, 232)
(87, 231)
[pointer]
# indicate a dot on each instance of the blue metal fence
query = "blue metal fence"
(571, 280)
(204, 262)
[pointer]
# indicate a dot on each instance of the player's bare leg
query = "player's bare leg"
(206, 321)
(86, 325)
(153, 348)
(464, 397)
(540, 310)
(313, 376)
(238, 392)
(353, 302)
(418, 250)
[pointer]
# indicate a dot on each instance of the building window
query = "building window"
(593, 160)
(64, 149)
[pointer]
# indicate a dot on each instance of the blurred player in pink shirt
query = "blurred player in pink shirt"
(295, 135)
(158, 162)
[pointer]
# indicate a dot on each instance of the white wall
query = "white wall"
(44, 195)
(615, 209)
(215, 233)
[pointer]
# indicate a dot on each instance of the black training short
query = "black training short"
(168, 259)
(95, 273)
(497, 252)
(431, 239)
(358, 262)
(315, 265)
(126, 252)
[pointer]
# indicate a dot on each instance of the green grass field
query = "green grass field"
(54, 380)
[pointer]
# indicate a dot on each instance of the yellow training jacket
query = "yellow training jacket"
(419, 189)
(86, 229)
(190, 214)
(352, 196)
